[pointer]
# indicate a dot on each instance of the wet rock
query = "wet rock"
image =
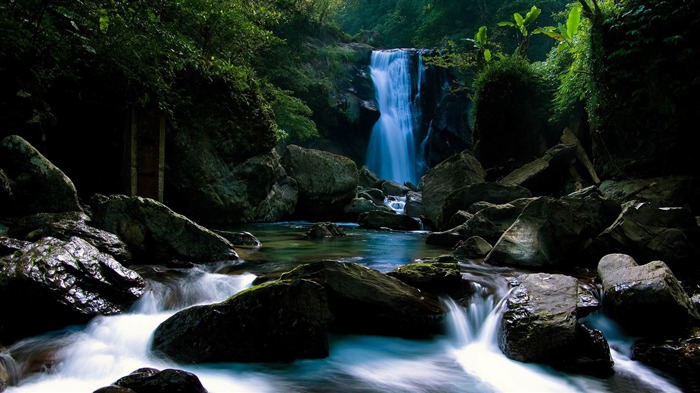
(678, 356)
(460, 218)
(7, 197)
(539, 323)
(62, 283)
(67, 225)
(433, 277)
(367, 178)
(321, 230)
(277, 321)
(9, 245)
(155, 233)
(365, 301)
(394, 188)
(241, 239)
(634, 292)
(37, 184)
(588, 299)
(9, 371)
(151, 380)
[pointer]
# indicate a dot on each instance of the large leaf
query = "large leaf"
(518, 19)
(481, 36)
(549, 31)
(573, 22)
(487, 55)
(531, 16)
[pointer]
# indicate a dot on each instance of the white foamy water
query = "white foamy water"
(466, 359)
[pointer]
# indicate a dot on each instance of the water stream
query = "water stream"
(465, 359)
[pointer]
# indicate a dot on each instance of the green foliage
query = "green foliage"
(522, 24)
(293, 116)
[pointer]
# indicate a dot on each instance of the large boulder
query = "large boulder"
(66, 225)
(553, 231)
(37, 184)
(457, 171)
(327, 182)
(155, 233)
(210, 188)
(659, 191)
(647, 232)
(365, 301)
(414, 204)
(495, 193)
(59, 283)
(540, 325)
(634, 292)
(544, 175)
(277, 321)
(488, 222)
(150, 380)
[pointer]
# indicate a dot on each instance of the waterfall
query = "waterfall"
(392, 151)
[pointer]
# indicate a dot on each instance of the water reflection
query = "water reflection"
(286, 244)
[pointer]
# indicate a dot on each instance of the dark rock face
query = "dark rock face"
(66, 225)
(679, 357)
(472, 248)
(458, 171)
(553, 231)
(544, 175)
(155, 233)
(62, 283)
(659, 191)
(358, 206)
(36, 184)
(150, 380)
(278, 321)
(647, 232)
(463, 197)
(327, 182)
(365, 301)
(9, 245)
(378, 219)
(634, 292)
(214, 187)
(414, 204)
(7, 198)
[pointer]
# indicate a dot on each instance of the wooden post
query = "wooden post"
(145, 154)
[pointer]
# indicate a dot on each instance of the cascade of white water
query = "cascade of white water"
(392, 152)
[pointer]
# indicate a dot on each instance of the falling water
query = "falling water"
(392, 152)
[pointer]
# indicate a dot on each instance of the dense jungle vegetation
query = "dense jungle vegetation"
(280, 63)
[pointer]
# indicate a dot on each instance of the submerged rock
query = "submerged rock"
(677, 356)
(277, 321)
(60, 283)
